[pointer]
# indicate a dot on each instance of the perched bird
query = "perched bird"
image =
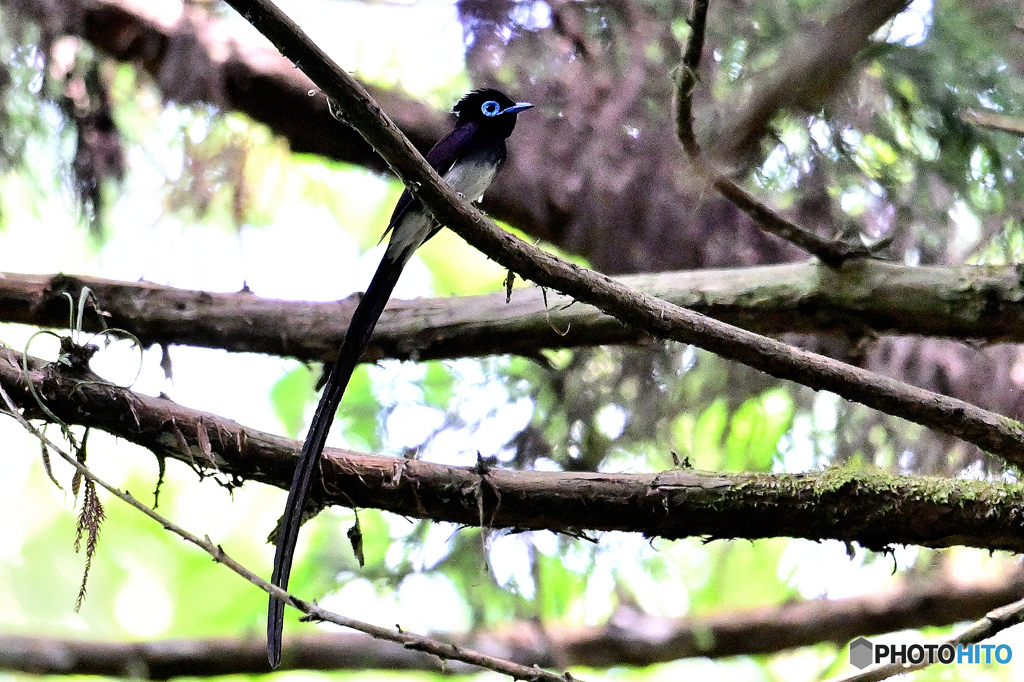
(467, 158)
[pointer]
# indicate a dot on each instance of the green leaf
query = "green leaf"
(359, 414)
(755, 431)
(438, 385)
(289, 397)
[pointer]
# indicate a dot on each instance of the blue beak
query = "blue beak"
(517, 107)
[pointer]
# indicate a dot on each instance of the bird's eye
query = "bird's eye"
(491, 108)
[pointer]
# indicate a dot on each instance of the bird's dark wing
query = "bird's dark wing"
(441, 157)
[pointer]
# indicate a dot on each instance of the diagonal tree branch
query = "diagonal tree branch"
(627, 638)
(991, 625)
(1000, 122)
(832, 252)
(989, 431)
(874, 510)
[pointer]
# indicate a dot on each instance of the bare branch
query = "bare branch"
(864, 297)
(992, 624)
(1000, 122)
(687, 78)
(624, 639)
(832, 252)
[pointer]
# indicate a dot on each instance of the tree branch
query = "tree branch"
(687, 79)
(875, 510)
(833, 252)
(1000, 122)
(625, 640)
(864, 297)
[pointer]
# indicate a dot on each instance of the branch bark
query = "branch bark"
(874, 510)
(968, 303)
(628, 638)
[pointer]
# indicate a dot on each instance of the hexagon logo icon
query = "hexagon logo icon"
(861, 651)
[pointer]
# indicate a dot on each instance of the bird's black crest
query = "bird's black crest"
(472, 101)
(492, 110)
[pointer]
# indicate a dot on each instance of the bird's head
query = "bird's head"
(490, 109)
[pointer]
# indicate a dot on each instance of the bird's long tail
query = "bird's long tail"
(358, 336)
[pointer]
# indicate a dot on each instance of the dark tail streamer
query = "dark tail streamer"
(356, 339)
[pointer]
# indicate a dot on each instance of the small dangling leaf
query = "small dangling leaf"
(355, 536)
(509, 281)
(89, 520)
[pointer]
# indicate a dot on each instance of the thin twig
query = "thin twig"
(688, 79)
(410, 641)
(831, 252)
(1000, 122)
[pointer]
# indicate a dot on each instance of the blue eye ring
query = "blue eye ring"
(490, 108)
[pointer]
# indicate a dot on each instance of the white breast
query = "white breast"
(468, 178)
(471, 179)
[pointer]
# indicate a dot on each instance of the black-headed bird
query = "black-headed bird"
(467, 158)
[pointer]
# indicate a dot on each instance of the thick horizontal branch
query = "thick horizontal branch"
(874, 510)
(968, 303)
(629, 638)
